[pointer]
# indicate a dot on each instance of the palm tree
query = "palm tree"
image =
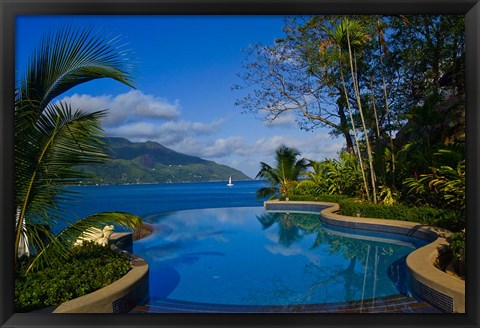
(359, 38)
(337, 38)
(52, 139)
(349, 37)
(284, 175)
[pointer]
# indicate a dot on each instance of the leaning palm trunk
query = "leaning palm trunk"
(23, 245)
(377, 125)
(385, 94)
(359, 103)
(359, 155)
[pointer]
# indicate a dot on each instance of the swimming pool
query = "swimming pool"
(249, 257)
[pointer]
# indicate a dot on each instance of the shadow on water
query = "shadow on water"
(163, 281)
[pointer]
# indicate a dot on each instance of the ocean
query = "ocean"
(145, 200)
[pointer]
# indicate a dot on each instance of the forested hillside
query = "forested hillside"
(151, 162)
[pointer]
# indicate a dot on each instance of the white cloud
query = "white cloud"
(226, 147)
(141, 117)
(133, 106)
(171, 134)
(236, 152)
(316, 143)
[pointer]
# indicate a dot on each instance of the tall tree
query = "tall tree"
(290, 76)
(362, 85)
(339, 38)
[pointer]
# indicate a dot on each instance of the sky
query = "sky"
(185, 67)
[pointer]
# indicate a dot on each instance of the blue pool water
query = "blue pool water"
(245, 256)
(215, 244)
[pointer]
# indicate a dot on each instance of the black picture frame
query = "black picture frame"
(9, 9)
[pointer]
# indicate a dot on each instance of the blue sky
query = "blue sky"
(185, 69)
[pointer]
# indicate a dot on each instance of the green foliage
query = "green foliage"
(457, 249)
(443, 218)
(284, 175)
(150, 162)
(387, 195)
(58, 247)
(457, 246)
(340, 176)
(52, 139)
(444, 187)
(90, 268)
(408, 79)
(314, 198)
(444, 184)
(454, 252)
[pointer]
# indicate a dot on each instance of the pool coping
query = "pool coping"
(119, 297)
(433, 285)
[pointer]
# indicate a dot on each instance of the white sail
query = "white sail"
(230, 182)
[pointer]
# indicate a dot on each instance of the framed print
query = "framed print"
(239, 163)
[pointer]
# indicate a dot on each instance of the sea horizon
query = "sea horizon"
(145, 200)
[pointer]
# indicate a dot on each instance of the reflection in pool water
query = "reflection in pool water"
(246, 256)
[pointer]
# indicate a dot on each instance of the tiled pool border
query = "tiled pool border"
(433, 285)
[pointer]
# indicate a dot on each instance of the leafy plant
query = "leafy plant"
(52, 139)
(444, 187)
(284, 175)
(457, 248)
(334, 176)
(443, 218)
(89, 268)
(452, 255)
(387, 195)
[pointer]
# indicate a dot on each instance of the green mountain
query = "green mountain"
(150, 162)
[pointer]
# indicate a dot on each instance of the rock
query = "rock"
(96, 235)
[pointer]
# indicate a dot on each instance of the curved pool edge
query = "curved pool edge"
(119, 297)
(433, 285)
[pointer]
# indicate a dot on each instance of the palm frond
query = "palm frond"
(268, 173)
(286, 172)
(47, 156)
(58, 247)
(266, 192)
(51, 140)
(68, 58)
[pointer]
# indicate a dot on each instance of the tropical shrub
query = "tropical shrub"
(89, 268)
(444, 187)
(299, 195)
(340, 176)
(443, 218)
(457, 249)
(284, 175)
(452, 255)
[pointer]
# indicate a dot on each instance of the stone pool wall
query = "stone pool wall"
(122, 295)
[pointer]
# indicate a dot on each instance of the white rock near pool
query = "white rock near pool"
(96, 235)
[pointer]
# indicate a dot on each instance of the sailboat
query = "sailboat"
(229, 184)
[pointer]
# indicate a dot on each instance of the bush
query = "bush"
(91, 267)
(447, 219)
(453, 253)
(457, 249)
(317, 198)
